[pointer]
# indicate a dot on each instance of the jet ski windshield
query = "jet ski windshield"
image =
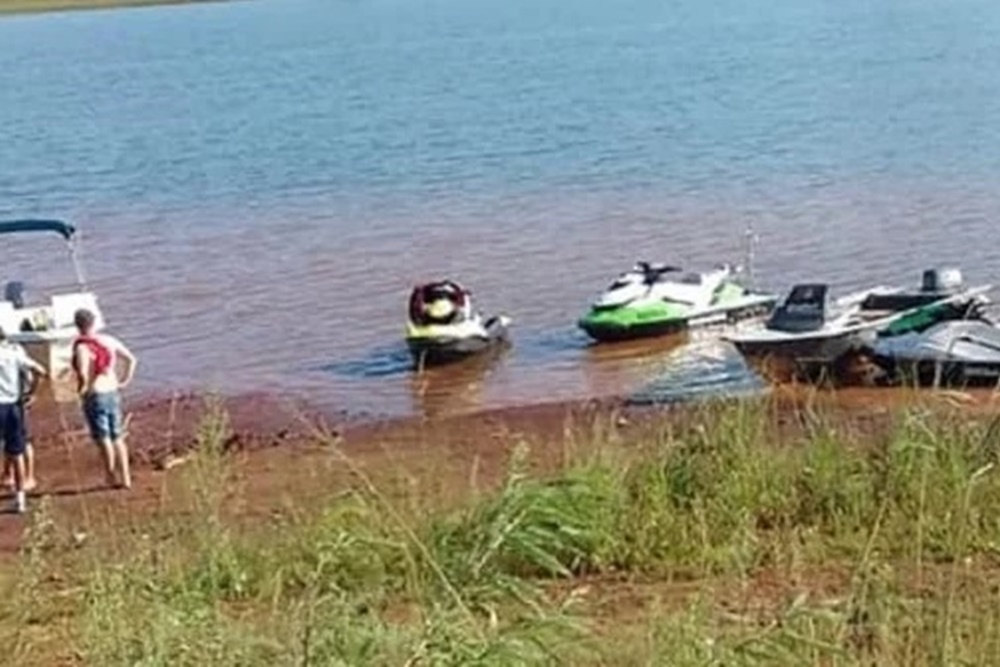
(652, 273)
(621, 281)
(643, 274)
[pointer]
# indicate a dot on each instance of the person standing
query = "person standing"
(28, 383)
(14, 362)
(95, 361)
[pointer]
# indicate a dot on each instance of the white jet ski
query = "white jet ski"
(442, 325)
(961, 352)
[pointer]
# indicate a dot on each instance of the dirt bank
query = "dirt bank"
(280, 454)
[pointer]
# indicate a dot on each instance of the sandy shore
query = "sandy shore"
(283, 448)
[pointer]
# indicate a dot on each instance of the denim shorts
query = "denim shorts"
(104, 416)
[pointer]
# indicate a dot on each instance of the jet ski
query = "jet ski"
(963, 352)
(657, 299)
(809, 334)
(443, 327)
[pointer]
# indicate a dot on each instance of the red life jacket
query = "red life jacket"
(101, 356)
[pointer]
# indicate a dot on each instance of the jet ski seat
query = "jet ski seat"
(897, 302)
(803, 310)
(935, 285)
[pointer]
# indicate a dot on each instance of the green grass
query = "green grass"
(881, 548)
(31, 6)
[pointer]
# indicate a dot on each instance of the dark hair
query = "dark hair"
(84, 320)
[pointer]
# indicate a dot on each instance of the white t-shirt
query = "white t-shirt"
(13, 360)
(108, 380)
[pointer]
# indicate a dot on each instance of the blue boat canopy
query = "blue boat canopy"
(64, 229)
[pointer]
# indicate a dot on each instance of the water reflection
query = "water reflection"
(705, 367)
(259, 190)
(454, 388)
(617, 368)
(639, 352)
(385, 361)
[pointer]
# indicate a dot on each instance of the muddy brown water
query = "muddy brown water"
(260, 184)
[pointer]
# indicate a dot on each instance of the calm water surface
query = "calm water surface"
(260, 183)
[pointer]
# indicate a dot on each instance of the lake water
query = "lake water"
(260, 183)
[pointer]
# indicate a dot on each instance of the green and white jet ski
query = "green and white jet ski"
(443, 327)
(655, 300)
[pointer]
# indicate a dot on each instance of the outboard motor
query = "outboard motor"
(942, 280)
(14, 292)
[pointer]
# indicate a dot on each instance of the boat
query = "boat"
(810, 334)
(443, 327)
(657, 299)
(45, 327)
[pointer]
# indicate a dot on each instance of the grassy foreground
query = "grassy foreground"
(29, 6)
(884, 548)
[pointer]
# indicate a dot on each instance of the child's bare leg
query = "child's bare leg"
(17, 463)
(108, 457)
(30, 483)
(19, 473)
(122, 451)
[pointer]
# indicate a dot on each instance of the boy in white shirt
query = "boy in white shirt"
(28, 382)
(14, 362)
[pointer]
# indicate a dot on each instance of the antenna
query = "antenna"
(750, 239)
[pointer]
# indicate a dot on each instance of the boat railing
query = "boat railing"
(58, 313)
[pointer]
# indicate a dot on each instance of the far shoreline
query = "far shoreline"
(26, 7)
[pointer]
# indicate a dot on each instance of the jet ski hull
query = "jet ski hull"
(621, 325)
(608, 332)
(441, 350)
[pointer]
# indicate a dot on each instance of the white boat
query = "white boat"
(45, 327)
(814, 333)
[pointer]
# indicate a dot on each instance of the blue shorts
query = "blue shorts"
(12, 428)
(104, 416)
